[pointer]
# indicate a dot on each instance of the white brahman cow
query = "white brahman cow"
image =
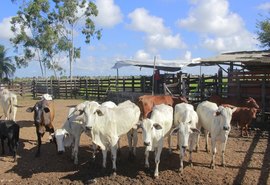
(70, 133)
(215, 120)
(9, 104)
(132, 135)
(185, 123)
(106, 125)
(155, 130)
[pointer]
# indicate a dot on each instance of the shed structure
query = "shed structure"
(248, 75)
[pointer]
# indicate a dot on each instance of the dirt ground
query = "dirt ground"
(248, 159)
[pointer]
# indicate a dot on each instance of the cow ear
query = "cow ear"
(99, 113)
(81, 112)
(217, 113)
(30, 109)
(175, 130)
(157, 126)
(46, 109)
(234, 109)
(195, 130)
(138, 125)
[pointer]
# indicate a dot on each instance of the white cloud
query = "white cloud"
(5, 26)
(109, 14)
(221, 29)
(264, 6)
(157, 35)
(142, 55)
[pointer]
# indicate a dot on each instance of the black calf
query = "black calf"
(10, 130)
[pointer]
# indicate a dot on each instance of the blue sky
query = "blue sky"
(167, 29)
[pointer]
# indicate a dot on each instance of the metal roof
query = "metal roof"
(252, 60)
(165, 65)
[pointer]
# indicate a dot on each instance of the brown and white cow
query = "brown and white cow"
(243, 116)
(43, 119)
(147, 102)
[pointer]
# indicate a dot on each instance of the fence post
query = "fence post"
(98, 89)
(220, 83)
(86, 89)
(66, 88)
(263, 99)
(34, 88)
(51, 87)
(238, 86)
(124, 84)
(142, 83)
(202, 85)
(74, 90)
(133, 81)
(21, 89)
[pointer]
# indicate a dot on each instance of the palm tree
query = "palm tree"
(7, 68)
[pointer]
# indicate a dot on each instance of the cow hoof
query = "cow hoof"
(224, 165)
(147, 169)
(191, 164)
(156, 177)
(212, 166)
(180, 170)
(114, 172)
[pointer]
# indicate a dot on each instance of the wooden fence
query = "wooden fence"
(253, 84)
(195, 88)
(90, 88)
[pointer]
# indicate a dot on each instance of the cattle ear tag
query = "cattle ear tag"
(157, 126)
(99, 112)
(29, 109)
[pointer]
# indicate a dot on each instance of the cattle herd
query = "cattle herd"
(159, 117)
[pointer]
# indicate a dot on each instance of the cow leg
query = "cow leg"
(246, 129)
(146, 158)
(39, 142)
(51, 138)
(170, 143)
(181, 157)
(135, 141)
(206, 140)
(214, 151)
(192, 141)
(76, 149)
(223, 145)
(118, 149)
(178, 143)
(114, 157)
(157, 160)
(129, 136)
(3, 146)
(94, 148)
(242, 128)
(104, 154)
(13, 148)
